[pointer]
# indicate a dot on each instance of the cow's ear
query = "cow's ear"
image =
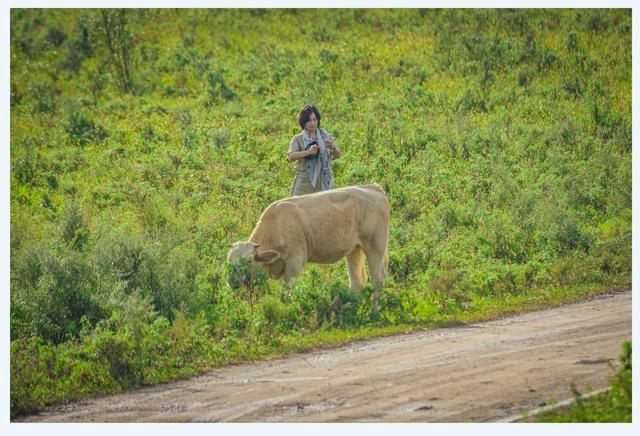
(267, 256)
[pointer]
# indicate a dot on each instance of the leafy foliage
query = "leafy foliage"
(145, 142)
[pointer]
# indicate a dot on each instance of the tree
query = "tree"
(112, 27)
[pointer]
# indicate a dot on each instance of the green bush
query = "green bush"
(127, 259)
(229, 315)
(78, 47)
(43, 94)
(82, 130)
(74, 228)
(55, 36)
(25, 166)
(55, 293)
(272, 311)
(133, 346)
(217, 89)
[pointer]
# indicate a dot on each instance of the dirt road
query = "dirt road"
(481, 372)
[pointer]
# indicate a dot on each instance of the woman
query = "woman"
(313, 149)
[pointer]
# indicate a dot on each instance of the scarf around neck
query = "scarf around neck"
(320, 165)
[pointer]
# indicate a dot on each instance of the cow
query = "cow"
(323, 227)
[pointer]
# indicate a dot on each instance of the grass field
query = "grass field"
(145, 142)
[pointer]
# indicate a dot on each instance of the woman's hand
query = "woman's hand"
(333, 148)
(330, 144)
(313, 150)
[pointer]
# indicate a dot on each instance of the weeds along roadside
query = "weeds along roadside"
(614, 405)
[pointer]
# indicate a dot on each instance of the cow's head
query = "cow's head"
(248, 254)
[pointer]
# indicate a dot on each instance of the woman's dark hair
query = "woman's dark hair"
(305, 113)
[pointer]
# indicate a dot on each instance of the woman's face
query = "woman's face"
(312, 124)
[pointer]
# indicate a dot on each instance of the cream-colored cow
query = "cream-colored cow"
(324, 227)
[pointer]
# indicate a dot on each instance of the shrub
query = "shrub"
(229, 315)
(97, 81)
(573, 84)
(32, 362)
(575, 269)
(190, 341)
(76, 51)
(74, 229)
(315, 303)
(25, 165)
(572, 41)
(124, 256)
(424, 307)
(325, 304)
(447, 286)
(570, 237)
(621, 386)
(597, 22)
(175, 280)
(272, 311)
(55, 36)
(350, 308)
(133, 346)
(81, 129)
(218, 139)
(55, 292)
(251, 282)
(43, 94)
(217, 89)
(471, 100)
(546, 59)
(524, 77)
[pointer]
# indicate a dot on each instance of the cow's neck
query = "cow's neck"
(262, 237)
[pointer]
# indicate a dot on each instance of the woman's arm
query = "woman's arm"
(297, 155)
(333, 148)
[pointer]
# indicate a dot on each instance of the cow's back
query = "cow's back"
(367, 201)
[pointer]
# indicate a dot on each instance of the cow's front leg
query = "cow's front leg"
(292, 270)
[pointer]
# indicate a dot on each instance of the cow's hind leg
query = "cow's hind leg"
(377, 269)
(377, 260)
(357, 273)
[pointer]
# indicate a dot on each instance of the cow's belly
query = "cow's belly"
(329, 253)
(327, 258)
(332, 243)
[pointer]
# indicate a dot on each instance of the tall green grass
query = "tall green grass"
(502, 139)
